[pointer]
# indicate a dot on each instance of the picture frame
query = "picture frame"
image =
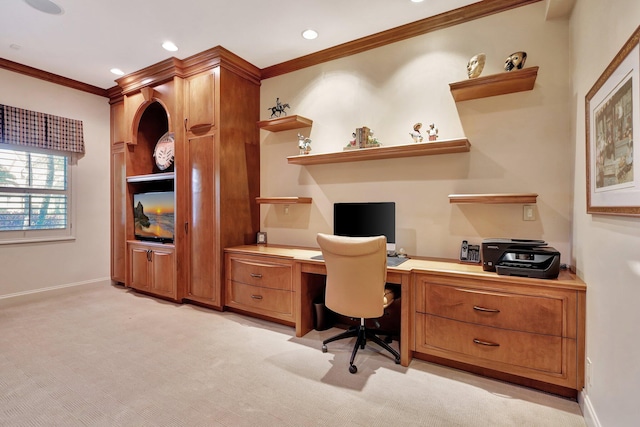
(612, 125)
(261, 238)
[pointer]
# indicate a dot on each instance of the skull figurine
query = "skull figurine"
(515, 60)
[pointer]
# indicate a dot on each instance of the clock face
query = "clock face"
(164, 151)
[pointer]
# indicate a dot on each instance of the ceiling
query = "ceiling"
(89, 38)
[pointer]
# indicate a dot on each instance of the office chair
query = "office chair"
(356, 276)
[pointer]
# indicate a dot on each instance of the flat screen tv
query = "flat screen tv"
(153, 215)
(365, 219)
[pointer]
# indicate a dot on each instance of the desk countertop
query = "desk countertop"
(437, 266)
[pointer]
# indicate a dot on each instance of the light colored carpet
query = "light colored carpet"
(105, 356)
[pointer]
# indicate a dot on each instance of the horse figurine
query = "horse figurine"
(278, 109)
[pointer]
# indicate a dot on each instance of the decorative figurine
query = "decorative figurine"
(476, 65)
(304, 144)
(415, 135)
(515, 60)
(278, 109)
(432, 132)
(352, 142)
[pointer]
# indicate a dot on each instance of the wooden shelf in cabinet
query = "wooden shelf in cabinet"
(388, 152)
(496, 84)
(285, 123)
(283, 200)
(504, 198)
(165, 176)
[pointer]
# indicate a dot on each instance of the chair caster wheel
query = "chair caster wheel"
(397, 361)
(353, 369)
(324, 348)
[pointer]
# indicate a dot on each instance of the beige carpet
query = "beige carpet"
(105, 356)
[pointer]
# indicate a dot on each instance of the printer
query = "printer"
(520, 257)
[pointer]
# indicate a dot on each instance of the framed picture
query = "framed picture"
(261, 238)
(612, 126)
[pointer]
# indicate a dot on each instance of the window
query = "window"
(35, 194)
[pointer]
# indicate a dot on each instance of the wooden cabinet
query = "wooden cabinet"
(210, 103)
(525, 328)
(152, 268)
(261, 286)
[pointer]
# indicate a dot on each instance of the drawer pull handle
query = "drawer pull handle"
(488, 310)
(256, 296)
(487, 343)
(256, 275)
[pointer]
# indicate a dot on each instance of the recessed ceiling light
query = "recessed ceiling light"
(169, 46)
(417, 1)
(117, 71)
(45, 6)
(310, 34)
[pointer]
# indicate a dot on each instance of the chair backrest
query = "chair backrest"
(356, 274)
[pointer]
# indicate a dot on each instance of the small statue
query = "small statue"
(371, 140)
(432, 132)
(304, 144)
(278, 109)
(515, 60)
(476, 65)
(415, 135)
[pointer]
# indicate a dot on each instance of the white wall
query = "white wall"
(606, 247)
(28, 267)
(519, 142)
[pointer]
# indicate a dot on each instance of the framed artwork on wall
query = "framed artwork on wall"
(612, 126)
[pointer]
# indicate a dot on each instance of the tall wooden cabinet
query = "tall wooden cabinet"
(210, 102)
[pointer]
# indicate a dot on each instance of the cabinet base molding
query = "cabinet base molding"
(490, 373)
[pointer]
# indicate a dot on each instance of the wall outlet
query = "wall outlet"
(589, 374)
(528, 213)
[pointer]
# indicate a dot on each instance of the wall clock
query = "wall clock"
(164, 151)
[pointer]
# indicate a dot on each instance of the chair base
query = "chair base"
(362, 334)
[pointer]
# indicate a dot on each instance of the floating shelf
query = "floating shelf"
(283, 200)
(388, 152)
(285, 123)
(526, 198)
(165, 176)
(496, 84)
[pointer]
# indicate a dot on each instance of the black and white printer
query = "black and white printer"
(520, 257)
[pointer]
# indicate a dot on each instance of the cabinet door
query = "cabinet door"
(118, 214)
(139, 265)
(200, 101)
(203, 285)
(163, 272)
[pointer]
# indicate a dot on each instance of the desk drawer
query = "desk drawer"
(259, 300)
(259, 273)
(542, 315)
(531, 351)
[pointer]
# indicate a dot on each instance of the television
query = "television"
(365, 219)
(153, 215)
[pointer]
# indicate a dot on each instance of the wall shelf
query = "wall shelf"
(165, 176)
(525, 198)
(496, 84)
(387, 152)
(283, 200)
(285, 123)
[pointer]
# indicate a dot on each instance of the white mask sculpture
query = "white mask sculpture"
(515, 60)
(475, 65)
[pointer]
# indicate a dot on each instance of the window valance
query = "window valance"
(33, 129)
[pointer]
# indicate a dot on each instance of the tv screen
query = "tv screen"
(153, 215)
(365, 219)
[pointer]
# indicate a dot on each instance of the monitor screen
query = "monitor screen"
(365, 219)
(153, 215)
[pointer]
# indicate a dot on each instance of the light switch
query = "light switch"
(528, 213)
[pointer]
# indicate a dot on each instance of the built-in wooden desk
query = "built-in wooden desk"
(523, 330)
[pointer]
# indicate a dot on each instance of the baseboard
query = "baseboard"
(37, 294)
(589, 414)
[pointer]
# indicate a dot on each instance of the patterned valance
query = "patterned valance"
(33, 129)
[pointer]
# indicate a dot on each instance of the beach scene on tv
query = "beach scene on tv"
(154, 216)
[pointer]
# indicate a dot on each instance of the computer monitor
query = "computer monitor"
(365, 219)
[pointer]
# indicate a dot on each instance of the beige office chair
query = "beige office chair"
(356, 276)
